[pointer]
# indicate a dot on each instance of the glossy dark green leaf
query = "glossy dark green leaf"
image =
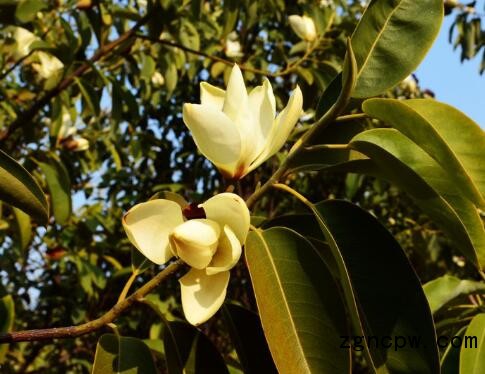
(403, 162)
(27, 9)
(441, 290)
(390, 41)
(231, 9)
(122, 355)
(248, 338)
(385, 287)
(446, 134)
(298, 302)
(59, 186)
(187, 350)
(472, 358)
(20, 189)
(7, 318)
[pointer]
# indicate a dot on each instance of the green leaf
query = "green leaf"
(27, 10)
(7, 318)
(24, 228)
(248, 338)
(382, 284)
(390, 41)
(20, 189)
(441, 290)
(450, 361)
(298, 302)
(403, 162)
(447, 135)
(231, 8)
(59, 186)
(187, 350)
(472, 359)
(122, 355)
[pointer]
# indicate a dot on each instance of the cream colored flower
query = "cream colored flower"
(211, 246)
(157, 79)
(23, 41)
(48, 65)
(67, 136)
(238, 131)
(304, 27)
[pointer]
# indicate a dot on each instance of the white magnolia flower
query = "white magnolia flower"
(238, 131)
(48, 65)
(304, 27)
(232, 47)
(210, 245)
(409, 84)
(157, 79)
(67, 135)
(23, 42)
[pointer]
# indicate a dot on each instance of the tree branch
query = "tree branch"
(91, 326)
(30, 113)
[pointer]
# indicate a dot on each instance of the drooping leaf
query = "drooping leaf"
(390, 41)
(20, 189)
(383, 284)
(403, 162)
(7, 318)
(26, 10)
(59, 186)
(187, 350)
(441, 290)
(248, 338)
(300, 307)
(24, 228)
(447, 135)
(122, 355)
(472, 358)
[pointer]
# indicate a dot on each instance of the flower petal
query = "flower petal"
(282, 127)
(148, 226)
(263, 107)
(227, 254)
(229, 209)
(216, 136)
(195, 241)
(236, 94)
(202, 294)
(212, 95)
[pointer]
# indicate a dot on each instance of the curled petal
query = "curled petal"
(195, 241)
(229, 209)
(284, 124)
(202, 294)
(216, 136)
(211, 95)
(227, 254)
(148, 226)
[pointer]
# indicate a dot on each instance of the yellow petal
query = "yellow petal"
(263, 107)
(148, 226)
(216, 136)
(211, 95)
(202, 294)
(283, 125)
(195, 241)
(227, 254)
(236, 98)
(229, 209)
(304, 27)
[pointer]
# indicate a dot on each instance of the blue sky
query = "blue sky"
(455, 83)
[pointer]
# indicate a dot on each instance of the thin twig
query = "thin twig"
(91, 326)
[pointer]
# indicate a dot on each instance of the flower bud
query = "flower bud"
(304, 27)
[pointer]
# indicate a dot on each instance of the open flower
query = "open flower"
(238, 131)
(211, 245)
(304, 27)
